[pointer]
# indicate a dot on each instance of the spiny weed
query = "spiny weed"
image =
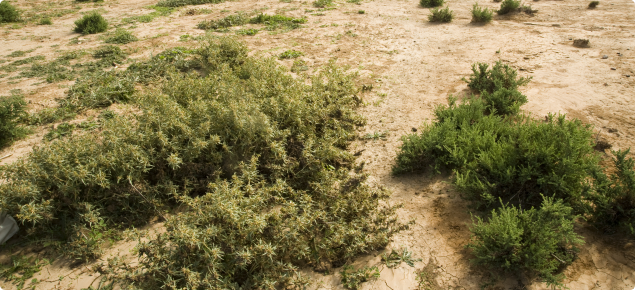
(481, 15)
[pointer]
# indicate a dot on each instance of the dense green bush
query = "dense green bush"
(11, 109)
(441, 15)
(481, 15)
(508, 6)
(504, 101)
(255, 159)
(538, 242)
(612, 198)
(431, 3)
(121, 36)
(491, 80)
(91, 23)
(8, 13)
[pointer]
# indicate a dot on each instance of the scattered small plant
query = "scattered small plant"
(361, 12)
(441, 15)
(274, 22)
(45, 21)
(538, 242)
(431, 3)
(481, 15)
(395, 258)
(299, 66)
(376, 136)
(249, 32)
(179, 3)
(593, 4)
(289, 54)
(508, 6)
(121, 36)
(353, 279)
(322, 3)
(91, 23)
(8, 12)
(527, 9)
(18, 53)
(229, 21)
(21, 269)
(358, 2)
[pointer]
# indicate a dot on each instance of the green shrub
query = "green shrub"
(538, 242)
(508, 6)
(121, 36)
(229, 21)
(353, 279)
(290, 54)
(179, 3)
(99, 90)
(481, 15)
(612, 200)
(496, 157)
(440, 15)
(250, 32)
(593, 4)
(431, 3)
(504, 101)
(11, 109)
(8, 13)
(91, 23)
(499, 76)
(45, 21)
(322, 3)
(255, 159)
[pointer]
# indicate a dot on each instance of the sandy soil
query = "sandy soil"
(413, 66)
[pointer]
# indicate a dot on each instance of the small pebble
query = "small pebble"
(613, 68)
(605, 56)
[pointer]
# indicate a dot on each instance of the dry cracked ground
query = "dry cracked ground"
(414, 66)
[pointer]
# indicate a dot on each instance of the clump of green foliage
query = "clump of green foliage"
(250, 31)
(158, 11)
(229, 21)
(353, 279)
(593, 4)
(274, 22)
(395, 258)
(8, 12)
(441, 15)
(612, 198)
(322, 3)
(45, 21)
(91, 23)
(121, 36)
(481, 15)
(484, 79)
(255, 159)
(431, 3)
(538, 242)
(289, 54)
(508, 6)
(179, 3)
(12, 108)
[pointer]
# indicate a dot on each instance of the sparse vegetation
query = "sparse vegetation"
(121, 36)
(593, 4)
(289, 54)
(250, 31)
(353, 279)
(179, 3)
(91, 23)
(45, 21)
(441, 15)
(395, 258)
(21, 269)
(322, 3)
(481, 15)
(538, 242)
(229, 21)
(431, 3)
(8, 12)
(508, 6)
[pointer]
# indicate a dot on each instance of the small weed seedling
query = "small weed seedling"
(376, 136)
(395, 258)
(352, 280)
